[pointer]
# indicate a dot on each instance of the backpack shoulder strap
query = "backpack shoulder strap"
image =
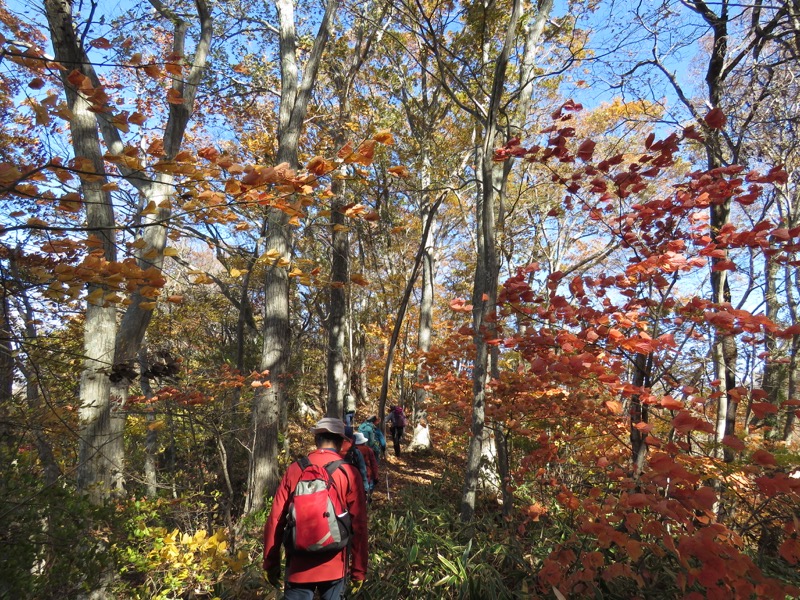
(334, 466)
(331, 467)
(304, 463)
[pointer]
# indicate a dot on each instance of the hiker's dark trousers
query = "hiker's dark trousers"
(397, 435)
(328, 590)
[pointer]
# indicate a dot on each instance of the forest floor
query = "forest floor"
(397, 473)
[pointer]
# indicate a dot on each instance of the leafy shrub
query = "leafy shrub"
(156, 562)
(51, 544)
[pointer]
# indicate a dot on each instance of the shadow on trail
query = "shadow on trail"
(409, 470)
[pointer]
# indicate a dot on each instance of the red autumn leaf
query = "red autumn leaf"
(724, 265)
(637, 500)
(670, 403)
(614, 407)
(101, 43)
(733, 442)
(716, 119)
(586, 150)
(762, 409)
(764, 458)
(781, 233)
(460, 305)
(705, 497)
(652, 441)
(36, 83)
(684, 422)
(791, 330)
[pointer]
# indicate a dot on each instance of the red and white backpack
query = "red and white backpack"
(317, 522)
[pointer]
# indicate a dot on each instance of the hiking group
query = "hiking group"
(319, 512)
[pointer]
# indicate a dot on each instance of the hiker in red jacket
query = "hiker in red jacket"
(369, 459)
(309, 571)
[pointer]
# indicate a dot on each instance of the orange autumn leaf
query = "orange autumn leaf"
(174, 96)
(384, 137)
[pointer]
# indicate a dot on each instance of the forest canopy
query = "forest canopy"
(564, 236)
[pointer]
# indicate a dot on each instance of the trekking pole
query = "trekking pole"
(388, 495)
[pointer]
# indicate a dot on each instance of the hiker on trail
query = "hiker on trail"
(369, 459)
(319, 514)
(397, 422)
(354, 457)
(374, 435)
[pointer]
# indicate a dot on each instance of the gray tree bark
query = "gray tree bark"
(484, 297)
(94, 463)
(263, 475)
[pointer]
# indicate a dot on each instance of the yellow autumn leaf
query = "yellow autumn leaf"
(149, 209)
(235, 272)
(359, 279)
(170, 251)
(139, 244)
(271, 254)
(156, 425)
(96, 297)
(147, 305)
(339, 227)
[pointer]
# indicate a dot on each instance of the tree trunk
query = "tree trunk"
(771, 379)
(268, 402)
(30, 373)
(6, 365)
(151, 436)
(426, 288)
(101, 438)
(100, 325)
(638, 414)
(337, 303)
(401, 311)
(343, 77)
(484, 298)
(790, 428)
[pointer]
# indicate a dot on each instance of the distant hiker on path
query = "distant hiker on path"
(354, 457)
(369, 459)
(397, 422)
(375, 438)
(320, 515)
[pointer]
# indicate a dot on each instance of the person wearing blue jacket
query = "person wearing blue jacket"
(375, 438)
